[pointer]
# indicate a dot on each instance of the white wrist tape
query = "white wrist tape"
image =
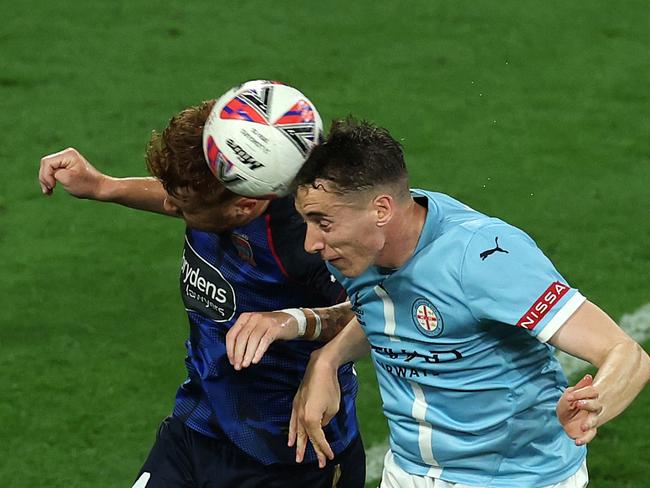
(319, 326)
(300, 317)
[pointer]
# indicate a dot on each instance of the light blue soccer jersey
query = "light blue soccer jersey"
(458, 335)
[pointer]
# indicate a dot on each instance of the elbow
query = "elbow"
(645, 364)
(639, 357)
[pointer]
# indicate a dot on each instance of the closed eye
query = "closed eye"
(324, 225)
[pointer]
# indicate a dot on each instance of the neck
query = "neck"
(402, 235)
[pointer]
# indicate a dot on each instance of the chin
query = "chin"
(347, 271)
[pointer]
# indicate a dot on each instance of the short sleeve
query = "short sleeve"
(506, 278)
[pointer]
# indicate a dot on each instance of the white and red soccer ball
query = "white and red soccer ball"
(257, 137)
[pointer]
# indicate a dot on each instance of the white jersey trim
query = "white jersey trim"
(425, 430)
(142, 481)
(389, 313)
(560, 318)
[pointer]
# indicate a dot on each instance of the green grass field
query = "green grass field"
(533, 111)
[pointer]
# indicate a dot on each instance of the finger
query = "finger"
(317, 437)
(241, 343)
(231, 336)
(293, 421)
(327, 417)
(251, 346)
(47, 191)
(589, 406)
(591, 422)
(586, 380)
(266, 340)
(321, 446)
(46, 176)
(46, 185)
(54, 163)
(587, 438)
(586, 393)
(301, 442)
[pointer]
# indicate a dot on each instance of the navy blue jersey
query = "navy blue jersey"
(258, 267)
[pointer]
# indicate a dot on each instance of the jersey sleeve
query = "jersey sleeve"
(506, 278)
(287, 237)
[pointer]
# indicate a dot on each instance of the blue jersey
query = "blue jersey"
(458, 334)
(259, 267)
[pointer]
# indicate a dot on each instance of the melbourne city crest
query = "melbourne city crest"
(426, 317)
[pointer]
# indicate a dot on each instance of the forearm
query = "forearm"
(620, 378)
(623, 365)
(333, 320)
(349, 345)
(143, 193)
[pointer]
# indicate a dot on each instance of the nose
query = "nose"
(313, 239)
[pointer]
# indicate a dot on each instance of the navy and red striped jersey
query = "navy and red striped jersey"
(261, 266)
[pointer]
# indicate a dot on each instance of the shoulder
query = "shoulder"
(494, 236)
(501, 255)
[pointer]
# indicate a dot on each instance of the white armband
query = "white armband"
(300, 317)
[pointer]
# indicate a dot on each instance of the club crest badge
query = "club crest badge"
(427, 318)
(244, 248)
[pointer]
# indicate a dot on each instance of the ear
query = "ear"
(384, 206)
(245, 205)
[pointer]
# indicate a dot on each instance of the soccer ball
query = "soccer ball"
(257, 137)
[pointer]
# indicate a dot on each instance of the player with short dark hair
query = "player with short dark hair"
(344, 161)
(241, 255)
(459, 311)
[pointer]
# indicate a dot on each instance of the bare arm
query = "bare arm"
(143, 193)
(319, 395)
(623, 371)
(82, 180)
(252, 334)
(349, 345)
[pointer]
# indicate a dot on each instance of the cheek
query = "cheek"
(360, 241)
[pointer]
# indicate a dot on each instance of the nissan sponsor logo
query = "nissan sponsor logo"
(542, 305)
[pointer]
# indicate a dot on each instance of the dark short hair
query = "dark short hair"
(175, 156)
(356, 156)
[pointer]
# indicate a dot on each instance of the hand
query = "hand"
(73, 171)
(315, 404)
(250, 337)
(578, 411)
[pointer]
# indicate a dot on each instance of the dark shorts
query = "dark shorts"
(184, 458)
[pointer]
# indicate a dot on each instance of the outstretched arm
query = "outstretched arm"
(82, 180)
(250, 337)
(623, 370)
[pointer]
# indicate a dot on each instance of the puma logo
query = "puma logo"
(487, 253)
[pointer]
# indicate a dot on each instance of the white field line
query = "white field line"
(636, 324)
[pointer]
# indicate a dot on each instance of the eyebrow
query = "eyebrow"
(316, 214)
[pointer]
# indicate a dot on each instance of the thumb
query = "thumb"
(62, 175)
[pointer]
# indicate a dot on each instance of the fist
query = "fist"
(69, 168)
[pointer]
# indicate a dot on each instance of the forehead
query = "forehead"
(322, 199)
